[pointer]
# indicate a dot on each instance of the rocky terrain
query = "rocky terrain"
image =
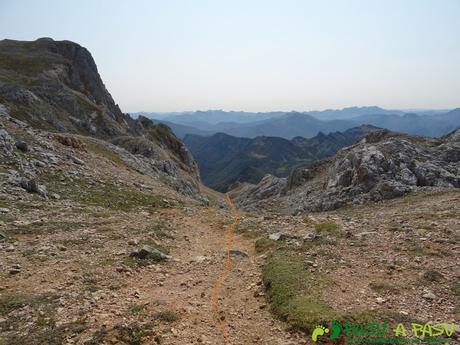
(224, 159)
(107, 235)
(55, 86)
(383, 165)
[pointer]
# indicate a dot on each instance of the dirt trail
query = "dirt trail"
(186, 284)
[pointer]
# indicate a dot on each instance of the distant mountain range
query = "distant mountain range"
(289, 125)
(225, 159)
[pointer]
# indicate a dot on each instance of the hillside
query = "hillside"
(107, 235)
(55, 86)
(224, 160)
(383, 165)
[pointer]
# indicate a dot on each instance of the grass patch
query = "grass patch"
(426, 228)
(131, 334)
(431, 276)
(8, 303)
(415, 248)
(381, 314)
(328, 228)
(37, 326)
(382, 287)
(160, 229)
(103, 194)
(46, 227)
(73, 241)
(103, 151)
(4, 203)
(295, 293)
(166, 316)
(264, 244)
(249, 228)
(136, 309)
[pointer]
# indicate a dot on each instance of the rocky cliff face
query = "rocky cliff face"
(55, 86)
(383, 165)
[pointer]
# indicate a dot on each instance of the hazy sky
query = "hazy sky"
(258, 55)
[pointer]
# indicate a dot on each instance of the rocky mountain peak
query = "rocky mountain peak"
(55, 86)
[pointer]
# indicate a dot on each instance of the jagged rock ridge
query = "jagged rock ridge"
(382, 166)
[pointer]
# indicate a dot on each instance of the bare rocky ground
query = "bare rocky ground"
(400, 255)
(67, 276)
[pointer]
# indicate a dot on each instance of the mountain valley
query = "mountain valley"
(114, 229)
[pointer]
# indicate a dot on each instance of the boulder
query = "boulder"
(22, 146)
(32, 186)
(149, 253)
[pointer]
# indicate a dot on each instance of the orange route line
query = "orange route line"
(226, 270)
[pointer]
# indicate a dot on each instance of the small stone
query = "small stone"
(33, 187)
(380, 300)
(4, 210)
(14, 271)
(200, 259)
(310, 237)
(147, 252)
(77, 161)
(429, 295)
(21, 145)
(55, 196)
(275, 237)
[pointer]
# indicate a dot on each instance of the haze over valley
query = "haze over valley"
(273, 227)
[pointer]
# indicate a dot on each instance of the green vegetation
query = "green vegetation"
(41, 310)
(431, 276)
(136, 309)
(24, 64)
(264, 244)
(46, 226)
(416, 248)
(132, 334)
(160, 229)
(3, 202)
(248, 228)
(381, 314)
(103, 193)
(8, 303)
(101, 150)
(73, 241)
(328, 228)
(295, 293)
(166, 316)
